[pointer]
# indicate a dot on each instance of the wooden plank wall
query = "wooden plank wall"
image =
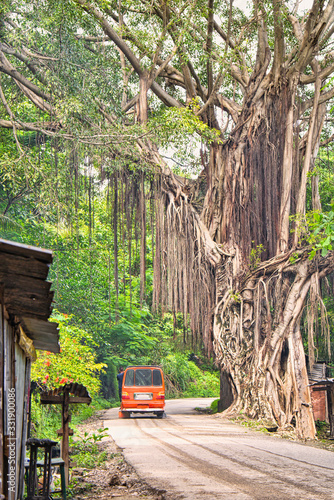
(21, 417)
(16, 375)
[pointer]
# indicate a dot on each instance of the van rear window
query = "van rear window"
(157, 379)
(143, 377)
(129, 378)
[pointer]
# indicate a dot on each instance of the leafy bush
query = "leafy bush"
(184, 377)
(76, 361)
(85, 452)
(45, 419)
(214, 406)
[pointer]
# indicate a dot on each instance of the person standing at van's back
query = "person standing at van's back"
(120, 376)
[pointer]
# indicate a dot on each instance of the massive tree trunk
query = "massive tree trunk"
(258, 341)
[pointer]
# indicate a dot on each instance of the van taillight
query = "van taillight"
(125, 395)
(161, 395)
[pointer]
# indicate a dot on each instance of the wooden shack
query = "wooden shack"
(322, 394)
(318, 393)
(25, 306)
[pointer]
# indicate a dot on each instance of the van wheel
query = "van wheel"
(160, 414)
(123, 414)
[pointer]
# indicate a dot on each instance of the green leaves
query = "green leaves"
(183, 376)
(180, 124)
(76, 361)
(321, 225)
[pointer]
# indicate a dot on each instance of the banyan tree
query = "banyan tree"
(230, 247)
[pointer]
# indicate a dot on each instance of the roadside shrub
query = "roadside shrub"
(184, 378)
(76, 361)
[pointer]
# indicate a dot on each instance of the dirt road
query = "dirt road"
(195, 456)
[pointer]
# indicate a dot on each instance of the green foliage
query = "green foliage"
(56, 193)
(178, 125)
(46, 419)
(214, 406)
(87, 455)
(183, 377)
(294, 257)
(255, 255)
(85, 451)
(235, 296)
(76, 361)
(323, 429)
(321, 225)
(92, 438)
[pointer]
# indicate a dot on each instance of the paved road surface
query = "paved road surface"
(196, 456)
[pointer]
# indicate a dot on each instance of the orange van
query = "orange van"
(143, 391)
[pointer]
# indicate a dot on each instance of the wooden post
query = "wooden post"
(65, 440)
(62, 396)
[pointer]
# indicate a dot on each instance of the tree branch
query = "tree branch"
(324, 97)
(32, 67)
(263, 46)
(315, 26)
(111, 33)
(231, 107)
(324, 73)
(279, 40)
(209, 47)
(11, 115)
(33, 126)
(7, 68)
(300, 207)
(327, 141)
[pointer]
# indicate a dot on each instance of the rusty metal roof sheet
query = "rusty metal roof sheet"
(26, 293)
(318, 372)
(74, 388)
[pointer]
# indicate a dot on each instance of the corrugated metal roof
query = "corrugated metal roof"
(16, 248)
(44, 334)
(74, 388)
(320, 375)
(326, 382)
(317, 373)
(26, 293)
